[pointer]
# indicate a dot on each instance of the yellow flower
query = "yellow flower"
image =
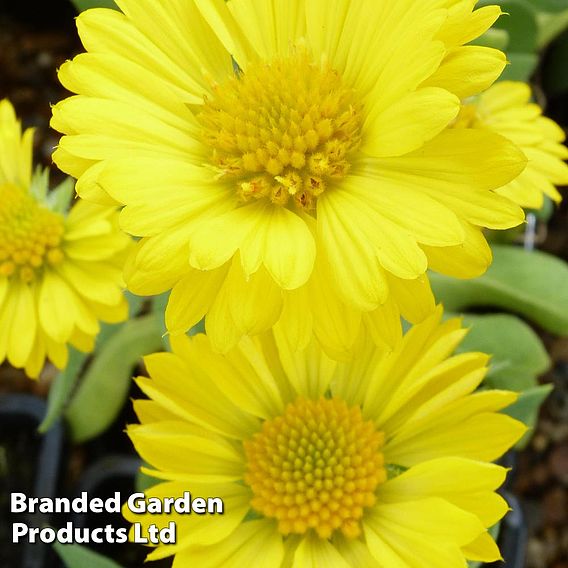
(506, 109)
(378, 462)
(286, 162)
(59, 272)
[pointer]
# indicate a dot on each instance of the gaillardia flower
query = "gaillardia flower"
(60, 271)
(287, 162)
(506, 108)
(382, 461)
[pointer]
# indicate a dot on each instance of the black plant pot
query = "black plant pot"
(31, 466)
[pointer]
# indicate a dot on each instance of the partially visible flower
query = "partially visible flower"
(379, 462)
(60, 271)
(287, 163)
(506, 108)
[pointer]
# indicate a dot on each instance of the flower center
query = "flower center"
(316, 467)
(283, 130)
(30, 235)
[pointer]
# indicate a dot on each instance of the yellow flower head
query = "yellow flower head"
(287, 162)
(379, 462)
(506, 109)
(59, 272)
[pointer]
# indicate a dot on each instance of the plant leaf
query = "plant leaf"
(86, 4)
(76, 556)
(518, 355)
(102, 392)
(158, 308)
(520, 23)
(550, 5)
(521, 66)
(61, 389)
(526, 409)
(533, 284)
(143, 481)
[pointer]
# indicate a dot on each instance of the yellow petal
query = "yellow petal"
(481, 65)
(409, 123)
(314, 552)
(166, 445)
(468, 484)
(253, 543)
(482, 549)
(191, 298)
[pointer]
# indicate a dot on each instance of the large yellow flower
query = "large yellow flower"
(506, 108)
(289, 162)
(59, 272)
(379, 462)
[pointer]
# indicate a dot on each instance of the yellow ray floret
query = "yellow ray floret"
(507, 109)
(286, 163)
(381, 461)
(60, 272)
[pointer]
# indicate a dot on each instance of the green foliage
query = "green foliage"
(550, 5)
(76, 556)
(86, 4)
(144, 481)
(529, 26)
(61, 389)
(518, 356)
(527, 407)
(66, 381)
(104, 387)
(533, 284)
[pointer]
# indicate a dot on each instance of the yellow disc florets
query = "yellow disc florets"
(30, 235)
(282, 130)
(316, 467)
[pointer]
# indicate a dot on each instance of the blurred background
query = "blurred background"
(36, 37)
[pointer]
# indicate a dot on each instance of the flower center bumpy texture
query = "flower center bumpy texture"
(30, 236)
(316, 467)
(282, 130)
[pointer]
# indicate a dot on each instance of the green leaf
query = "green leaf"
(86, 4)
(520, 23)
(103, 390)
(135, 303)
(521, 67)
(526, 409)
(533, 284)
(550, 26)
(76, 556)
(550, 5)
(61, 389)
(143, 481)
(518, 355)
(159, 304)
